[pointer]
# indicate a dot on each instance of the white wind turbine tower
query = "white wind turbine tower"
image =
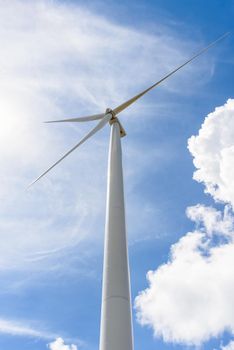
(116, 318)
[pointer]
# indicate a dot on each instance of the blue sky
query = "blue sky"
(71, 58)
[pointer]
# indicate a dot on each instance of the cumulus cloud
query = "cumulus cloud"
(58, 344)
(62, 60)
(191, 297)
(213, 153)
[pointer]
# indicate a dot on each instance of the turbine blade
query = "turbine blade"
(98, 127)
(80, 119)
(126, 104)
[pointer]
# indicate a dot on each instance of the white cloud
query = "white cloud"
(17, 328)
(22, 328)
(229, 346)
(62, 60)
(58, 344)
(213, 152)
(191, 298)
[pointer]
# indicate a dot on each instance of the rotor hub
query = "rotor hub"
(114, 119)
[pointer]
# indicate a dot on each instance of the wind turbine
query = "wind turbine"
(116, 317)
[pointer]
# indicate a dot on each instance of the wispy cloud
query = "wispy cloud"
(62, 60)
(229, 346)
(17, 328)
